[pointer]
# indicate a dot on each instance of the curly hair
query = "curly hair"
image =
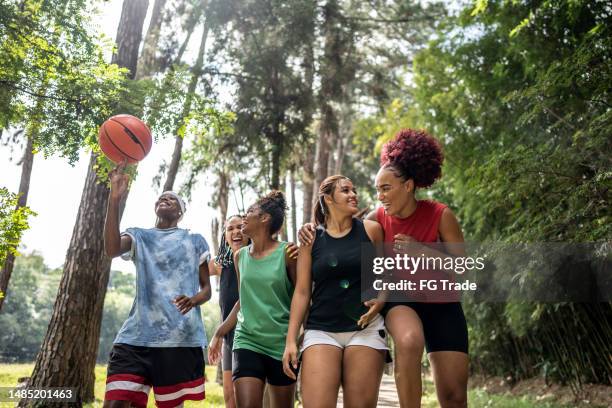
(414, 154)
(274, 203)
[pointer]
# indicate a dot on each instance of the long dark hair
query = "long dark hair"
(327, 187)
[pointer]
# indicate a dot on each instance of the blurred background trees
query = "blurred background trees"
(264, 94)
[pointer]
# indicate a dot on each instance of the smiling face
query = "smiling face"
(344, 198)
(254, 219)
(167, 207)
(393, 193)
(233, 234)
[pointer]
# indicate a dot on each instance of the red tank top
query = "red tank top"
(422, 225)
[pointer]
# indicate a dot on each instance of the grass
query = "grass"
(9, 373)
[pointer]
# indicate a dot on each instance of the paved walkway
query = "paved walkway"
(387, 396)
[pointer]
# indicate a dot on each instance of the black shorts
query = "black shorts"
(248, 363)
(175, 373)
(444, 325)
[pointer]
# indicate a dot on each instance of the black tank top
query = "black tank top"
(336, 304)
(228, 291)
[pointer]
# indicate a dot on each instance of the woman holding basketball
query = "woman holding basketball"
(343, 338)
(414, 160)
(266, 276)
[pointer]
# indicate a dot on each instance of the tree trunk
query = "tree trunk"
(283, 232)
(148, 64)
(307, 162)
(275, 181)
(224, 187)
(343, 144)
(307, 185)
(24, 187)
(293, 205)
(129, 34)
(331, 90)
(68, 354)
(326, 134)
(193, 83)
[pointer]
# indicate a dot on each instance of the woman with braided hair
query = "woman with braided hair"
(232, 240)
(266, 278)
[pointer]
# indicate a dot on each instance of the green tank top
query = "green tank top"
(265, 301)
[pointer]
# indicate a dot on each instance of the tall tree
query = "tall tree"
(196, 73)
(148, 64)
(272, 92)
(337, 70)
(68, 353)
(53, 84)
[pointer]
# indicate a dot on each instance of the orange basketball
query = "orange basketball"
(125, 137)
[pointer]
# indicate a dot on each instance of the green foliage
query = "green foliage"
(52, 74)
(268, 44)
(519, 93)
(13, 222)
(32, 295)
(27, 311)
(369, 134)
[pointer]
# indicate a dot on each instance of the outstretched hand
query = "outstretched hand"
(119, 181)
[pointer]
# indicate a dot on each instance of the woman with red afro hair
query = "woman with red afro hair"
(413, 160)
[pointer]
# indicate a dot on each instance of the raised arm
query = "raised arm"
(114, 243)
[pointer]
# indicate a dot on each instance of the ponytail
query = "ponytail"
(320, 211)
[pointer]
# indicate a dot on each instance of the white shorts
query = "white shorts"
(372, 336)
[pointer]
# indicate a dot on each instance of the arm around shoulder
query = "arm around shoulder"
(372, 216)
(374, 230)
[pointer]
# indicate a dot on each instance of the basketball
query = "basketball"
(124, 137)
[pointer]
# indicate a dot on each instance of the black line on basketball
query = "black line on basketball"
(117, 147)
(131, 135)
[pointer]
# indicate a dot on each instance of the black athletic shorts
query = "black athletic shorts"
(175, 373)
(444, 325)
(248, 363)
